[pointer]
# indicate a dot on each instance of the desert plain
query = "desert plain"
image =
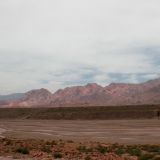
(111, 131)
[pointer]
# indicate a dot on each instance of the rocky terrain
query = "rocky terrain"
(90, 95)
(69, 150)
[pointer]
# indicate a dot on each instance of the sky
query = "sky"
(54, 44)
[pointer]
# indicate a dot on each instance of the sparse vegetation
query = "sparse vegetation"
(147, 156)
(134, 152)
(102, 149)
(22, 150)
(46, 148)
(57, 155)
(85, 151)
(120, 151)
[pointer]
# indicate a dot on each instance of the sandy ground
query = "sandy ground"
(110, 131)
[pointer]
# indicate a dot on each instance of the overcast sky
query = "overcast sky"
(58, 43)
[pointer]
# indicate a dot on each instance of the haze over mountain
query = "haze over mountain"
(91, 94)
(10, 97)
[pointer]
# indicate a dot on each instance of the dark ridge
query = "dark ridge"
(83, 113)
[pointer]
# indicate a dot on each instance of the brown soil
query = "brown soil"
(110, 131)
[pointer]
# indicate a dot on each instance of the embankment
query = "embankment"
(83, 113)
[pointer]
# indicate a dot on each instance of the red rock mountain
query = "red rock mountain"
(93, 94)
(39, 97)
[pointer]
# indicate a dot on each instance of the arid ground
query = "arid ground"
(112, 131)
(80, 139)
(92, 133)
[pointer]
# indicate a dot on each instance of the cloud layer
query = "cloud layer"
(54, 44)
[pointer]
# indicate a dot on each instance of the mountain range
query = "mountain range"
(91, 94)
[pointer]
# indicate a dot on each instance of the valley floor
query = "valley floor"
(110, 131)
(80, 139)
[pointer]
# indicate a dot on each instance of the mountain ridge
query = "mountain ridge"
(91, 94)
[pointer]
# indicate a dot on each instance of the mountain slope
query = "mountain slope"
(39, 97)
(80, 95)
(92, 95)
(114, 94)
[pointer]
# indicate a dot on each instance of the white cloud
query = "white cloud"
(52, 44)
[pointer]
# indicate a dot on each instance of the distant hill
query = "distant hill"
(10, 97)
(115, 94)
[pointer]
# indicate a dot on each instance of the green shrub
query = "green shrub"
(134, 152)
(22, 150)
(57, 155)
(46, 148)
(154, 148)
(119, 151)
(102, 149)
